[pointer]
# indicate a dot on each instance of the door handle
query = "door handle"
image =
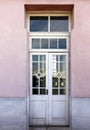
(46, 91)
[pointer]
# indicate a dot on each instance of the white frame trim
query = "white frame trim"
(51, 34)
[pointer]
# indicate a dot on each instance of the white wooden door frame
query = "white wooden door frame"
(57, 97)
(48, 98)
(44, 98)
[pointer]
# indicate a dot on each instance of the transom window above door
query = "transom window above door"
(49, 23)
(49, 43)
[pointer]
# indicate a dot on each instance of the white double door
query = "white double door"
(49, 89)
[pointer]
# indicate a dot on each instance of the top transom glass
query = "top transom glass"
(38, 24)
(49, 24)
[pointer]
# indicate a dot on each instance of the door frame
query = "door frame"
(67, 86)
(29, 51)
(48, 71)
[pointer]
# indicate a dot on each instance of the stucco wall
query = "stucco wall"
(12, 49)
(80, 50)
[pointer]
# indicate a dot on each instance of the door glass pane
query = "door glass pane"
(35, 43)
(42, 68)
(35, 57)
(42, 58)
(35, 68)
(58, 74)
(59, 23)
(38, 74)
(44, 43)
(35, 91)
(43, 82)
(42, 91)
(62, 82)
(38, 23)
(55, 92)
(62, 91)
(63, 58)
(62, 44)
(35, 81)
(62, 67)
(53, 43)
(55, 82)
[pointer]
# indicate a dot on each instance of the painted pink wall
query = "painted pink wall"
(13, 47)
(80, 50)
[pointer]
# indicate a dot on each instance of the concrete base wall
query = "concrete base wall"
(80, 113)
(13, 114)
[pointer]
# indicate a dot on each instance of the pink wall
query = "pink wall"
(80, 50)
(13, 47)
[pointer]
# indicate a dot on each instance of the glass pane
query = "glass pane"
(55, 64)
(35, 81)
(35, 57)
(38, 23)
(35, 68)
(55, 67)
(42, 91)
(59, 23)
(62, 91)
(53, 43)
(43, 82)
(35, 91)
(55, 81)
(62, 58)
(62, 44)
(55, 58)
(35, 43)
(55, 91)
(62, 82)
(62, 67)
(42, 68)
(44, 43)
(42, 58)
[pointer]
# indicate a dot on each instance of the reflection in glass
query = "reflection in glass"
(42, 58)
(35, 81)
(55, 92)
(62, 91)
(35, 68)
(55, 81)
(62, 44)
(38, 23)
(55, 67)
(43, 82)
(44, 43)
(53, 43)
(59, 23)
(62, 67)
(42, 68)
(35, 43)
(62, 58)
(42, 91)
(35, 57)
(35, 91)
(62, 82)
